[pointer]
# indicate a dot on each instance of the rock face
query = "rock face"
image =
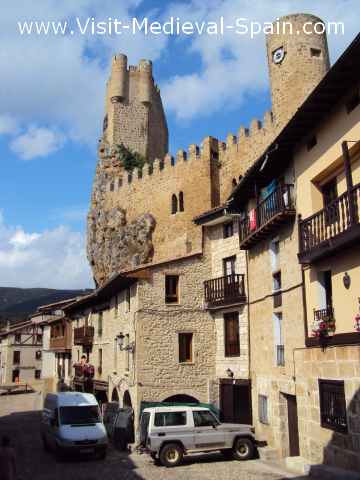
(113, 244)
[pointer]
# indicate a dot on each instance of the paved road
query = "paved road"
(35, 464)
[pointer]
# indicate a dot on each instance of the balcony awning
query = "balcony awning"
(215, 216)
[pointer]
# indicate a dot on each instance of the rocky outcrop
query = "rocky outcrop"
(113, 244)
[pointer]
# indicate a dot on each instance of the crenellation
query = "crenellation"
(255, 126)
(194, 151)
(231, 139)
(181, 155)
(268, 121)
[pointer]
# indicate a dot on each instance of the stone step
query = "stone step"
(268, 454)
(297, 464)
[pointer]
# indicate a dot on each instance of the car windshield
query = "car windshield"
(79, 415)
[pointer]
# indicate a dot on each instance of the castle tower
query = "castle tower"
(134, 113)
(298, 59)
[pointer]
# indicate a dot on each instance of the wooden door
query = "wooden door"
(293, 426)
(235, 402)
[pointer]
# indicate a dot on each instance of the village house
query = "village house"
(303, 272)
(20, 352)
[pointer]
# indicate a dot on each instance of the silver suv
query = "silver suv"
(169, 433)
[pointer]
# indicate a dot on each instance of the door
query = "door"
(293, 426)
(235, 402)
(206, 435)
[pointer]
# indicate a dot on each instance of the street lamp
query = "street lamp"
(130, 347)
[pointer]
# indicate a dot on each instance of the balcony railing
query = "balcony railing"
(331, 228)
(274, 209)
(84, 335)
(225, 290)
(60, 343)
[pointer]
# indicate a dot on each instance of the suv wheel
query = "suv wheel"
(243, 449)
(171, 455)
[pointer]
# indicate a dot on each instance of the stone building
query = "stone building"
(20, 353)
(180, 311)
(302, 274)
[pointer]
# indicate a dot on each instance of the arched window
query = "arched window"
(181, 202)
(174, 204)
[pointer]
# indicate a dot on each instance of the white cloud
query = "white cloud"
(52, 258)
(233, 66)
(37, 142)
(59, 81)
(8, 125)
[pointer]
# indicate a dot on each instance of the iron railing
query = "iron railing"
(333, 405)
(331, 221)
(279, 201)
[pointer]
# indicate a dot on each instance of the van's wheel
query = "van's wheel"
(243, 449)
(171, 455)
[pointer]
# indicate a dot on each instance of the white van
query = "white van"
(71, 423)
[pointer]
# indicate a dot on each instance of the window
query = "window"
(15, 375)
(353, 102)
(330, 194)
(39, 337)
(277, 297)
(312, 142)
(170, 419)
(16, 357)
(316, 52)
(174, 204)
(18, 338)
(263, 409)
(204, 418)
(100, 323)
(275, 255)
(112, 186)
(171, 289)
(185, 347)
(232, 337)
(38, 374)
(181, 202)
(228, 230)
(327, 288)
(229, 265)
(333, 405)
(128, 299)
(38, 355)
(278, 339)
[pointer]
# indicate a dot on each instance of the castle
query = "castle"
(119, 234)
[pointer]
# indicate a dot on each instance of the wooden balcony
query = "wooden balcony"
(277, 208)
(84, 335)
(60, 344)
(331, 229)
(225, 291)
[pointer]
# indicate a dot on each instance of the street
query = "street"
(35, 464)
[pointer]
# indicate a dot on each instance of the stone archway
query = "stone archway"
(181, 398)
(127, 399)
(115, 396)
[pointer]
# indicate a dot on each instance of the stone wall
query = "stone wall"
(320, 445)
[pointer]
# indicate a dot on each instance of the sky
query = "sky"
(52, 91)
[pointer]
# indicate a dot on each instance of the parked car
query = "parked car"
(169, 433)
(71, 423)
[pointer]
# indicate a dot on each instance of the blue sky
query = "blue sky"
(51, 109)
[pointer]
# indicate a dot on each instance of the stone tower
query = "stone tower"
(134, 112)
(298, 59)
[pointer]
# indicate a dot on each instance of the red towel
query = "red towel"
(252, 217)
